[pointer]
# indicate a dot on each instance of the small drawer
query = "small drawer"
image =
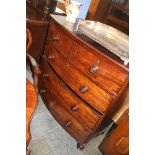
(86, 89)
(66, 120)
(69, 100)
(102, 71)
(60, 40)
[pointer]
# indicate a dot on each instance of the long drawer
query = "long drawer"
(86, 89)
(99, 69)
(69, 123)
(60, 40)
(69, 100)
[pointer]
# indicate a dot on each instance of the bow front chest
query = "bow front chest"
(81, 82)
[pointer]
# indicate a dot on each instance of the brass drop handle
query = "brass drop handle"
(83, 89)
(74, 108)
(42, 91)
(45, 74)
(68, 124)
(93, 68)
(55, 38)
(51, 57)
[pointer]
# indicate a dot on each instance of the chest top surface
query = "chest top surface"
(71, 28)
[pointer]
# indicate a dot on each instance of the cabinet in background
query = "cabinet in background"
(111, 12)
(118, 142)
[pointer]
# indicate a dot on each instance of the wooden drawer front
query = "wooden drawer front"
(69, 123)
(86, 89)
(99, 69)
(60, 40)
(80, 110)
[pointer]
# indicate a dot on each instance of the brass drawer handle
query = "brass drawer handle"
(42, 91)
(74, 108)
(83, 89)
(55, 38)
(51, 57)
(93, 68)
(68, 124)
(45, 74)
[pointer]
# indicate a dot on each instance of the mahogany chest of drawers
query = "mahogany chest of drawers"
(79, 84)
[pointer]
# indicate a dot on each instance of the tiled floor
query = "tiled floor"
(49, 138)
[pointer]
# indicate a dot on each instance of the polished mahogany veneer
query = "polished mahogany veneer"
(86, 89)
(80, 84)
(99, 69)
(70, 100)
(66, 120)
(60, 40)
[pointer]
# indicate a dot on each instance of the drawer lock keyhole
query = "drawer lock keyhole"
(74, 108)
(83, 89)
(68, 124)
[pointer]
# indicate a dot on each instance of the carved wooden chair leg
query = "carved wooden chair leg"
(31, 90)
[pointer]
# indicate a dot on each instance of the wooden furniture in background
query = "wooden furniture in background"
(111, 12)
(118, 142)
(44, 7)
(38, 27)
(98, 9)
(81, 81)
(118, 16)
